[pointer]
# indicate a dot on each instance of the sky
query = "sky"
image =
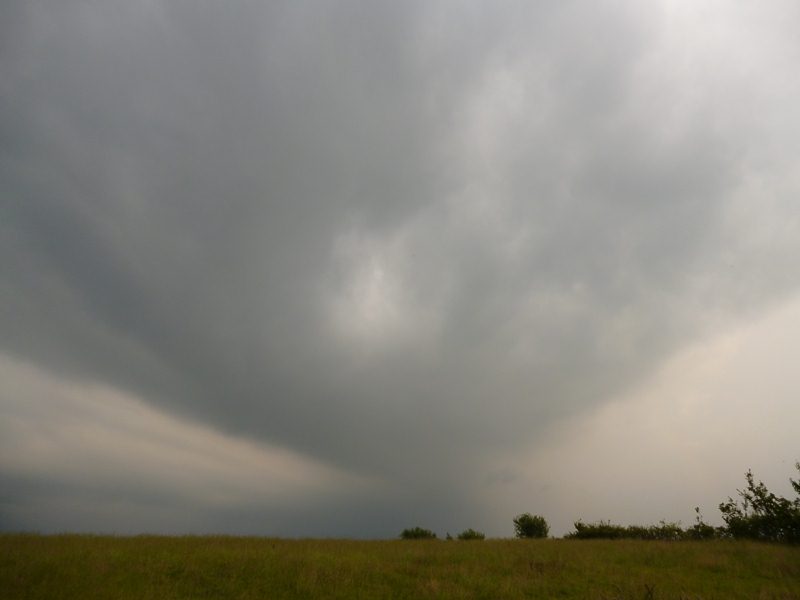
(336, 269)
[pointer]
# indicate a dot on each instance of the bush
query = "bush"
(600, 530)
(664, 531)
(701, 530)
(609, 531)
(471, 534)
(527, 525)
(417, 533)
(763, 515)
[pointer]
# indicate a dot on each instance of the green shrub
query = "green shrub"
(417, 533)
(702, 530)
(527, 525)
(600, 530)
(762, 515)
(664, 531)
(471, 534)
(609, 531)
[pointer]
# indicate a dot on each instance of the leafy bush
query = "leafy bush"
(527, 525)
(471, 534)
(609, 531)
(663, 531)
(417, 533)
(762, 515)
(600, 530)
(702, 530)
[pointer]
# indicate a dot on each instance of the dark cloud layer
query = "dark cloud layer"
(397, 238)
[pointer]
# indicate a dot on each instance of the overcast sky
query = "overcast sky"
(336, 269)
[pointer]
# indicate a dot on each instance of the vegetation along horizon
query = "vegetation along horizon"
(756, 554)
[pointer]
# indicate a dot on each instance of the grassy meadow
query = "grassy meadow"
(81, 566)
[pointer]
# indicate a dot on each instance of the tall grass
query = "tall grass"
(86, 567)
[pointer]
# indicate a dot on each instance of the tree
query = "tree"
(762, 515)
(527, 525)
(417, 533)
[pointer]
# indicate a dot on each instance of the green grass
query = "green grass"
(77, 566)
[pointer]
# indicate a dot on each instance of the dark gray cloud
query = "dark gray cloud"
(399, 239)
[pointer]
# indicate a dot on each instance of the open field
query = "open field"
(75, 566)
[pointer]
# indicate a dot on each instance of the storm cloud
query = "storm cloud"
(359, 261)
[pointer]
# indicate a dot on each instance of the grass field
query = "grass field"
(75, 566)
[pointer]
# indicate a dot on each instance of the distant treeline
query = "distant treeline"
(606, 530)
(757, 515)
